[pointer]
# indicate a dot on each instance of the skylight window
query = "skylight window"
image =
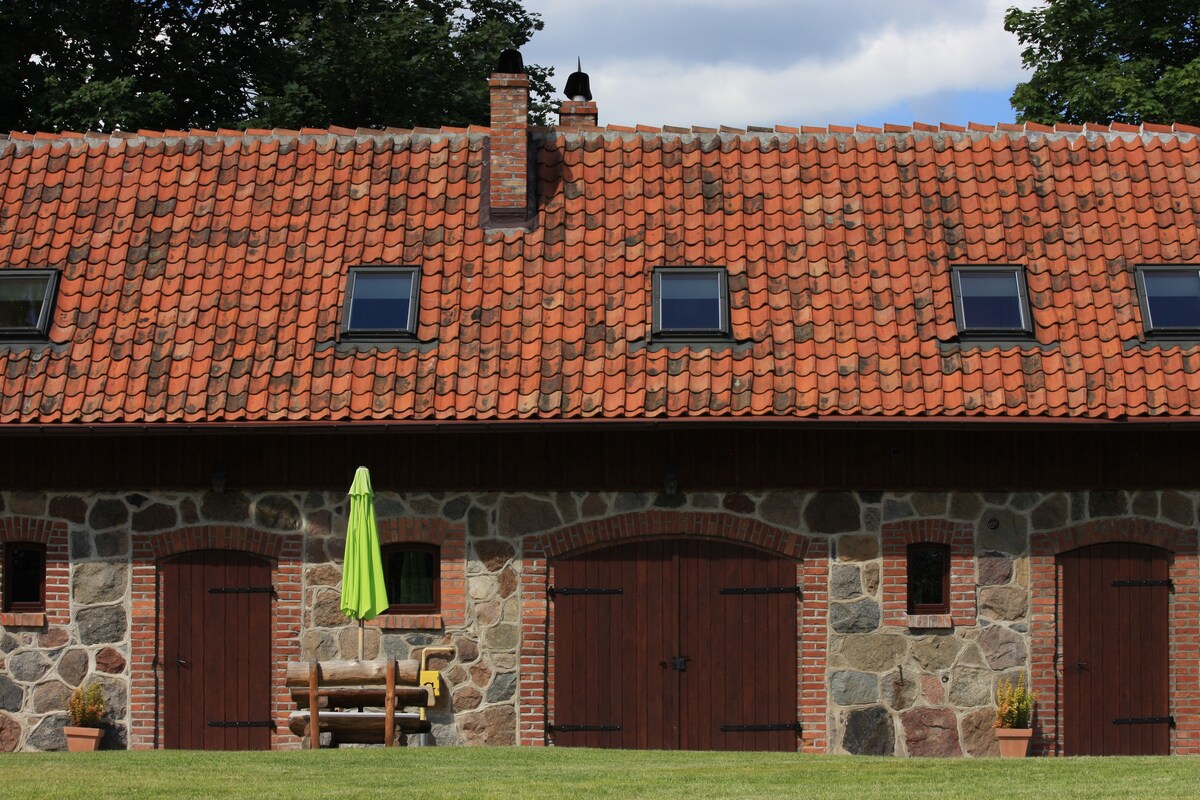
(691, 301)
(1170, 299)
(26, 299)
(991, 301)
(381, 301)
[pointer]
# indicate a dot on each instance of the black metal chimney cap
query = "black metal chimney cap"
(578, 84)
(510, 62)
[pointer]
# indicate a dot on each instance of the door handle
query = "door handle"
(679, 663)
(181, 662)
(1080, 666)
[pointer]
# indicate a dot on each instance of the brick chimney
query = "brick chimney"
(575, 114)
(509, 193)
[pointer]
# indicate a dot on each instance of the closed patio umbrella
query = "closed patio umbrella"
(364, 593)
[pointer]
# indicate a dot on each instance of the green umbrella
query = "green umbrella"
(364, 593)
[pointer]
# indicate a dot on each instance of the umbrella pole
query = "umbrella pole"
(360, 640)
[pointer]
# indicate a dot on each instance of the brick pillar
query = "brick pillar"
(575, 114)
(509, 167)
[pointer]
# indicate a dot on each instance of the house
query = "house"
(792, 439)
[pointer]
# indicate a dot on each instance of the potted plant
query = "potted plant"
(86, 709)
(1014, 711)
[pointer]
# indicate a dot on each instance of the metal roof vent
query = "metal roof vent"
(578, 86)
(511, 62)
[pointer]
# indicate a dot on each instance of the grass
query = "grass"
(418, 773)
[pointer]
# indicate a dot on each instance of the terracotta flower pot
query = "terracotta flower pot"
(83, 740)
(1014, 742)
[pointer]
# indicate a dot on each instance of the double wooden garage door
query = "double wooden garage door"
(675, 644)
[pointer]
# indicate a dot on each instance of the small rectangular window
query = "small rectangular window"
(991, 300)
(928, 578)
(691, 301)
(413, 575)
(1170, 299)
(24, 577)
(381, 301)
(26, 300)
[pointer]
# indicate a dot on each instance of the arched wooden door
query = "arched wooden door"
(675, 644)
(216, 607)
(1115, 650)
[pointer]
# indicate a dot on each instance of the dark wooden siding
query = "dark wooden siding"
(617, 457)
(1115, 650)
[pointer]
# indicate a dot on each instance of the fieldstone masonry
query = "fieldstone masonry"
(891, 689)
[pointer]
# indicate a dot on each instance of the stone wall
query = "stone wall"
(891, 689)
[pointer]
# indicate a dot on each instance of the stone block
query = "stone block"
(10, 734)
(225, 507)
(845, 582)
(833, 512)
(50, 696)
(860, 547)
(781, 508)
(99, 582)
(48, 735)
(69, 507)
(494, 553)
(73, 666)
(970, 686)
(27, 504)
(936, 652)
(502, 637)
(870, 653)
(1008, 603)
(1107, 504)
(977, 734)
(11, 695)
(466, 698)
(869, 732)
(930, 732)
(965, 506)
(508, 582)
(1002, 648)
(738, 503)
(494, 725)
(28, 665)
(102, 625)
(112, 544)
(521, 515)
(897, 508)
(110, 660)
(503, 687)
(861, 616)
(278, 513)
(933, 690)
(323, 575)
(1178, 508)
(995, 569)
(849, 688)
(107, 513)
(899, 689)
(155, 517)
(1002, 530)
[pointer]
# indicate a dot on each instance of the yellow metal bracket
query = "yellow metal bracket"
(431, 679)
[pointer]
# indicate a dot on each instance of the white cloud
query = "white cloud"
(894, 56)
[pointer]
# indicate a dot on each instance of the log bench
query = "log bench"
(324, 691)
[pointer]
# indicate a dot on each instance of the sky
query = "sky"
(787, 62)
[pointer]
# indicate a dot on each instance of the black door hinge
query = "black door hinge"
(578, 728)
(566, 590)
(1144, 720)
(761, 590)
(1159, 582)
(241, 590)
(254, 723)
(781, 726)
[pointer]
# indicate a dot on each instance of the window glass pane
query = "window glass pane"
(410, 577)
(1173, 299)
(21, 301)
(25, 570)
(926, 566)
(381, 302)
(690, 302)
(991, 300)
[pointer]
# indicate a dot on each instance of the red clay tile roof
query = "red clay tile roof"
(203, 274)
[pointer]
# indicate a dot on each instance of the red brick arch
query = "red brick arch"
(1184, 623)
(285, 551)
(811, 555)
(58, 569)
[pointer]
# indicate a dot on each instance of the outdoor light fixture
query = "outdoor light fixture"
(219, 478)
(671, 479)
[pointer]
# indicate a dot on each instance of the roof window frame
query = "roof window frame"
(985, 333)
(1143, 297)
(41, 329)
(408, 332)
(659, 333)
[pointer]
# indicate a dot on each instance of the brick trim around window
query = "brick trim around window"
(451, 539)
(1183, 623)
(812, 565)
(58, 570)
(960, 537)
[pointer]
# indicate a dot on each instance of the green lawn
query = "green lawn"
(409, 774)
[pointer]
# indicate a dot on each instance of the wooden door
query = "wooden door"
(216, 608)
(1115, 650)
(670, 644)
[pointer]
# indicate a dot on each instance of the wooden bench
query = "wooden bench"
(326, 690)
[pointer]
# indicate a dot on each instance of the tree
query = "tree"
(1100, 60)
(405, 64)
(173, 64)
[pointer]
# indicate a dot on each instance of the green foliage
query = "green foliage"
(171, 64)
(86, 706)
(1014, 704)
(1100, 60)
